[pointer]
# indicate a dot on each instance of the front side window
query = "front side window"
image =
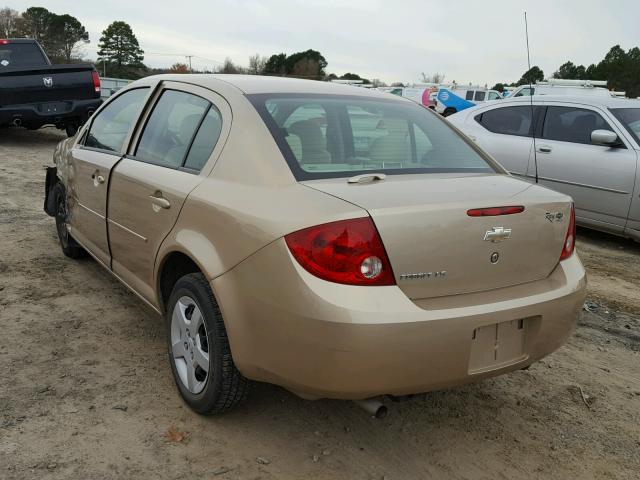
(324, 136)
(570, 124)
(480, 96)
(507, 120)
(170, 128)
(494, 96)
(630, 119)
(525, 92)
(111, 125)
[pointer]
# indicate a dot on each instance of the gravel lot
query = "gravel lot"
(86, 390)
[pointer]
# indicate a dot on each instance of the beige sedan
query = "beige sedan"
(338, 242)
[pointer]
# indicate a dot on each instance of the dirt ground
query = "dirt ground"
(86, 390)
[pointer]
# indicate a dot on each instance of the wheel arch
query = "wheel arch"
(181, 253)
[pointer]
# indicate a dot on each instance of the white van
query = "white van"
(557, 86)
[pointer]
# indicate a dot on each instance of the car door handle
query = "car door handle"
(544, 149)
(160, 202)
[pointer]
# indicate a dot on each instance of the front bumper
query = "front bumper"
(35, 115)
(320, 339)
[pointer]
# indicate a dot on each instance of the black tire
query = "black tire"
(449, 111)
(69, 246)
(225, 386)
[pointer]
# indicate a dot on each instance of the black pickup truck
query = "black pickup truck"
(33, 92)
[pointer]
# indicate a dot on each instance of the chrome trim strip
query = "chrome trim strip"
(576, 184)
(89, 210)
(127, 230)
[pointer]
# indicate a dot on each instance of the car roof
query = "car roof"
(593, 100)
(257, 84)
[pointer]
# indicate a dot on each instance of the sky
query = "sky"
(467, 41)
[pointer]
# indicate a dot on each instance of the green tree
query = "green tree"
(276, 65)
(35, 24)
(533, 75)
(499, 87)
(120, 50)
(355, 76)
(65, 34)
(569, 71)
(307, 64)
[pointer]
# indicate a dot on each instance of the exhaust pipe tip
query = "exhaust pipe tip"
(373, 406)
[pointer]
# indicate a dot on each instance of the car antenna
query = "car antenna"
(533, 123)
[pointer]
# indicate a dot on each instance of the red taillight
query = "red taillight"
(96, 81)
(495, 211)
(4, 42)
(569, 244)
(347, 251)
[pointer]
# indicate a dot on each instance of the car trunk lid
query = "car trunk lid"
(437, 249)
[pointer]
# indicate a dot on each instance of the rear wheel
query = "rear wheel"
(199, 351)
(69, 246)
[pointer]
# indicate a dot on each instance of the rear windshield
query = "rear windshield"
(630, 118)
(324, 136)
(18, 55)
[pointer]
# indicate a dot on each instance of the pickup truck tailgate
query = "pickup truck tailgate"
(47, 84)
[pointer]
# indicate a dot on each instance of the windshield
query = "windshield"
(630, 118)
(16, 55)
(324, 136)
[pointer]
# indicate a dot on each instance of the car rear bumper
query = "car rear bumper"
(37, 114)
(320, 339)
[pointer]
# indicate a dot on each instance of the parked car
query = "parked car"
(33, 92)
(338, 242)
(575, 88)
(585, 147)
(450, 100)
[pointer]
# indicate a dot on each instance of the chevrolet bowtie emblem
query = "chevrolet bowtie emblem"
(497, 234)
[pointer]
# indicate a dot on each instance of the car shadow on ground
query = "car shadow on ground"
(608, 240)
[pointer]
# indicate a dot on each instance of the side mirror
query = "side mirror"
(604, 137)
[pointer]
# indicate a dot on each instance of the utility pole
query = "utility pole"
(189, 57)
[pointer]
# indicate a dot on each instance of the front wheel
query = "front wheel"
(199, 351)
(69, 246)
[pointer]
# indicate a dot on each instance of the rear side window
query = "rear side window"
(469, 95)
(19, 55)
(111, 125)
(480, 96)
(569, 124)
(171, 128)
(507, 120)
(324, 136)
(205, 140)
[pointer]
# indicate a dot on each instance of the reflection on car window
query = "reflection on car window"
(205, 140)
(507, 120)
(569, 124)
(171, 128)
(337, 135)
(112, 124)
